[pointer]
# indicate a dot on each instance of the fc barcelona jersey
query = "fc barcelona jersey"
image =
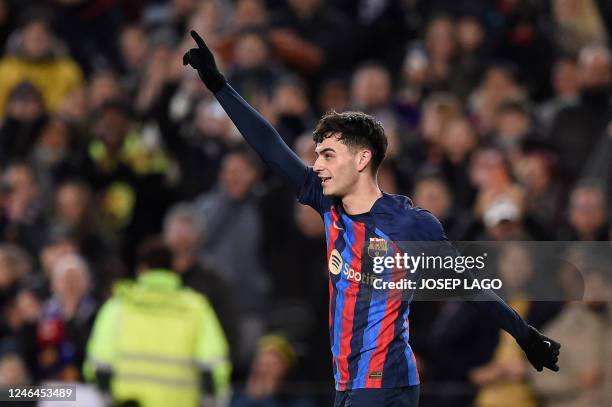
(369, 329)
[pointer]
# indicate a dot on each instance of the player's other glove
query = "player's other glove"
(202, 60)
(541, 351)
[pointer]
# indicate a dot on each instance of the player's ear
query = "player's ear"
(363, 159)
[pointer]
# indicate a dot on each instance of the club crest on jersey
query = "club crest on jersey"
(377, 247)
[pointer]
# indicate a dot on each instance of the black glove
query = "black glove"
(541, 351)
(203, 61)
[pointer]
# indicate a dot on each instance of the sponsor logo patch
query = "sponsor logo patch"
(335, 262)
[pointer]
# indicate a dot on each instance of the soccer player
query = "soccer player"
(372, 359)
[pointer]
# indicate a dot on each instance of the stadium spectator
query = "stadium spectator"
(249, 14)
(182, 236)
(512, 125)
(522, 38)
(37, 57)
(134, 49)
(499, 83)
(490, 173)
(583, 326)
(504, 378)
(433, 194)
(535, 171)
(104, 87)
(503, 220)
(200, 147)
(372, 23)
(53, 156)
(290, 108)
(13, 371)
(19, 321)
(471, 50)
(231, 225)
(174, 14)
(587, 215)
(15, 266)
(125, 172)
(577, 24)
(25, 116)
(184, 343)
(371, 92)
(458, 142)
(76, 216)
(90, 30)
(253, 70)
(577, 128)
(65, 321)
(20, 308)
(438, 110)
(23, 218)
(566, 88)
(308, 36)
(56, 246)
(413, 87)
(333, 94)
(440, 45)
(448, 334)
(153, 79)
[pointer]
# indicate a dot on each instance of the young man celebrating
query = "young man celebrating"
(373, 362)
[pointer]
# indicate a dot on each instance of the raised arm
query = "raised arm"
(260, 135)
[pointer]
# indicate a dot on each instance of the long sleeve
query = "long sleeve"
(489, 303)
(101, 348)
(212, 351)
(484, 300)
(262, 137)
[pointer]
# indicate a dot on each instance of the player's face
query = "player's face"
(336, 166)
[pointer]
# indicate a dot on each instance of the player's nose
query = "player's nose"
(317, 166)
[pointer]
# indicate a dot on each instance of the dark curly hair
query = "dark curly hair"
(355, 130)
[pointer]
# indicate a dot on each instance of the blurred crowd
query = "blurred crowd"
(499, 120)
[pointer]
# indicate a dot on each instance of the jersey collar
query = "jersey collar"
(365, 216)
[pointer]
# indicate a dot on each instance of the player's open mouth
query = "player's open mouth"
(324, 180)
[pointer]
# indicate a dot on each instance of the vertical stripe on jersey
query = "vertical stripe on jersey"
(385, 326)
(339, 292)
(356, 238)
(364, 339)
(399, 359)
(331, 236)
(413, 373)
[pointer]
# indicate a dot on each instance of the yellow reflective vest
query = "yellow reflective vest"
(156, 336)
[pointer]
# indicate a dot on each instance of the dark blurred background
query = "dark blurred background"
(499, 118)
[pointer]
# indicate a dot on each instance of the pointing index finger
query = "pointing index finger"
(198, 39)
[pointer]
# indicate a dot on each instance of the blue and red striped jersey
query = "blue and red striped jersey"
(369, 329)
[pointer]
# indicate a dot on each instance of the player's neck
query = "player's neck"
(362, 198)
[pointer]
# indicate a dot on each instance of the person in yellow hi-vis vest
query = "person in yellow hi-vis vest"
(157, 343)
